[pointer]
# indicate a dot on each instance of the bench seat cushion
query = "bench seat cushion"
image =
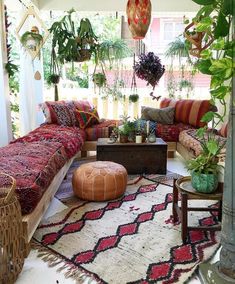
(100, 130)
(72, 138)
(170, 132)
(33, 165)
(191, 142)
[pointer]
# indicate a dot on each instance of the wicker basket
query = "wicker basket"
(12, 243)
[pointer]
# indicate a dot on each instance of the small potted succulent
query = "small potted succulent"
(149, 68)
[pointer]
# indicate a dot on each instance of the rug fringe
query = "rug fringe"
(68, 269)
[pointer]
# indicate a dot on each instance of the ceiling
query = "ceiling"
(110, 5)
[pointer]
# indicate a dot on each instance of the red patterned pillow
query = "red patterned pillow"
(87, 118)
(60, 112)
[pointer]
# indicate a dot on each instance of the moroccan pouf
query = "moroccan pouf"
(99, 181)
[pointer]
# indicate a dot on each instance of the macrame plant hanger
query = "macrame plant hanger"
(134, 97)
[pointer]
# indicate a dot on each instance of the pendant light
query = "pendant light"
(138, 17)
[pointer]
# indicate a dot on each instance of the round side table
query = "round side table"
(182, 187)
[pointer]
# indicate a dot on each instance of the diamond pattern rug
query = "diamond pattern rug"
(128, 240)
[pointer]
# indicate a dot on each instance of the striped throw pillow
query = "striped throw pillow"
(189, 111)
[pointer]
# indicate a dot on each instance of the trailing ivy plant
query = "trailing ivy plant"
(215, 19)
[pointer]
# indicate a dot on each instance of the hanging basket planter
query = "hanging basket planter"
(196, 39)
(138, 17)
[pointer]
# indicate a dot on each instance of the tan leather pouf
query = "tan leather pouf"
(99, 181)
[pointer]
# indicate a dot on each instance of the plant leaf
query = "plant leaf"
(204, 24)
(212, 146)
(208, 116)
(204, 2)
(227, 7)
(222, 26)
(204, 66)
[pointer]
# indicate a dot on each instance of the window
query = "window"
(170, 30)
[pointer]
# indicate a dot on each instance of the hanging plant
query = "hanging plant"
(134, 97)
(31, 39)
(149, 68)
(71, 44)
(99, 79)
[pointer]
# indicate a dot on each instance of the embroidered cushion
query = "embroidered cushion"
(64, 112)
(189, 111)
(60, 112)
(87, 118)
(162, 115)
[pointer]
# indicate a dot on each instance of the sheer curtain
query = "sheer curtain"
(30, 93)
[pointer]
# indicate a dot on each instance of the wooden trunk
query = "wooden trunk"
(136, 158)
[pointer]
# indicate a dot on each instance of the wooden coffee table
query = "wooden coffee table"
(137, 158)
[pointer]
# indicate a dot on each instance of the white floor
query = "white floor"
(35, 271)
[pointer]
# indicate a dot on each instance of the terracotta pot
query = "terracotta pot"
(123, 138)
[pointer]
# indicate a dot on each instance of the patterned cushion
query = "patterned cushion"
(143, 125)
(189, 111)
(64, 112)
(87, 118)
(192, 143)
(223, 131)
(170, 133)
(101, 130)
(61, 112)
(163, 115)
(33, 165)
(72, 138)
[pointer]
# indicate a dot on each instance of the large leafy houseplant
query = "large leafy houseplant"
(214, 20)
(73, 44)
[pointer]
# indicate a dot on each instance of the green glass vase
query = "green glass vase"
(205, 183)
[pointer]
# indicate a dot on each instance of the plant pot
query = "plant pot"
(205, 183)
(123, 138)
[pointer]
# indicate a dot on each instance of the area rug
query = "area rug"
(129, 240)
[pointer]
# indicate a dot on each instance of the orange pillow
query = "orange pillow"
(87, 118)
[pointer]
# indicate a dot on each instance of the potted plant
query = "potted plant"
(126, 130)
(31, 39)
(71, 44)
(133, 98)
(205, 168)
(149, 68)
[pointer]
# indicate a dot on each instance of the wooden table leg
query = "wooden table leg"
(174, 202)
(184, 216)
(220, 211)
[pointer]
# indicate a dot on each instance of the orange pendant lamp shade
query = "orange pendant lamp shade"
(138, 17)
